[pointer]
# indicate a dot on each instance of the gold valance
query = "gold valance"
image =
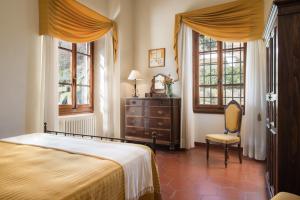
(71, 21)
(241, 20)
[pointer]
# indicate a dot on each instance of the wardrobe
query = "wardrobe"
(282, 36)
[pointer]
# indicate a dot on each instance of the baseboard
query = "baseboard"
(218, 146)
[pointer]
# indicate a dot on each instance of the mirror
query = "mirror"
(159, 82)
(158, 85)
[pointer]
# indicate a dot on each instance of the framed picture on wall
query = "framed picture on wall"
(157, 57)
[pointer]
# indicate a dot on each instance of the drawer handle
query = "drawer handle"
(160, 112)
(133, 102)
(133, 111)
(160, 123)
(159, 134)
(146, 133)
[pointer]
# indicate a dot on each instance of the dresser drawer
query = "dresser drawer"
(136, 132)
(161, 134)
(160, 112)
(134, 111)
(135, 121)
(159, 102)
(159, 123)
(135, 102)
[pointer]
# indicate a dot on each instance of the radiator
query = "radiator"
(80, 124)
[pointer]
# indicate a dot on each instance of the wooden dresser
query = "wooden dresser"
(282, 38)
(143, 116)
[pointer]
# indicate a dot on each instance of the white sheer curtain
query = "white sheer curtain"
(50, 81)
(104, 87)
(187, 115)
(254, 143)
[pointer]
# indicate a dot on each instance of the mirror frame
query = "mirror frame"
(158, 91)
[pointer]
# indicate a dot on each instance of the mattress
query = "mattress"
(43, 166)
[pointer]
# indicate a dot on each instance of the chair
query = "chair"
(231, 136)
(286, 196)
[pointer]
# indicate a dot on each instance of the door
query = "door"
(271, 118)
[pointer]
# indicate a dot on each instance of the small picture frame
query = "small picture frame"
(157, 57)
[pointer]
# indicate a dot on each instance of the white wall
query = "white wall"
(19, 44)
(20, 58)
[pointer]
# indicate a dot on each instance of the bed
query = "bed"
(46, 166)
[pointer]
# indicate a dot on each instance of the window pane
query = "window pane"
(83, 70)
(214, 58)
(83, 95)
(236, 91)
(214, 92)
(201, 101)
(236, 68)
(65, 94)
(83, 48)
(66, 45)
(64, 62)
(201, 91)
(201, 80)
(227, 91)
(214, 69)
(236, 79)
(214, 101)
(214, 80)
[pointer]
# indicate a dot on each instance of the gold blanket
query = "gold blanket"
(30, 172)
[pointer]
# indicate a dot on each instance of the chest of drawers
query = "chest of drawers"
(143, 116)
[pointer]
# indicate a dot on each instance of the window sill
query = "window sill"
(76, 115)
(211, 110)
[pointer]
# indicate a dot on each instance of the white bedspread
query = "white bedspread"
(135, 160)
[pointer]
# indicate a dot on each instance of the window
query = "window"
(75, 77)
(219, 73)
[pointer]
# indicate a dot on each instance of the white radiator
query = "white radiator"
(80, 124)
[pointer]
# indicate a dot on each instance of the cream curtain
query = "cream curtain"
(71, 21)
(104, 87)
(50, 81)
(187, 115)
(240, 20)
(254, 138)
(42, 105)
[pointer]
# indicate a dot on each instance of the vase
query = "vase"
(169, 90)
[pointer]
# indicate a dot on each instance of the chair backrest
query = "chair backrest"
(233, 117)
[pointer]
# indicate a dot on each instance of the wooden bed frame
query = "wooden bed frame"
(151, 145)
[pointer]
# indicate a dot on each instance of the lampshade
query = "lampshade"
(134, 75)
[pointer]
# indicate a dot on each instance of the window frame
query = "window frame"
(219, 108)
(79, 108)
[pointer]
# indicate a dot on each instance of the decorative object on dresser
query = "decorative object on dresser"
(169, 81)
(147, 116)
(157, 57)
(282, 35)
(158, 87)
(134, 76)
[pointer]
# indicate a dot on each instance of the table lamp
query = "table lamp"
(133, 76)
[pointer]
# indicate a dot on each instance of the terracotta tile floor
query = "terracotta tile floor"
(185, 175)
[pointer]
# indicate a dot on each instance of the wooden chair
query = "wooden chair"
(231, 136)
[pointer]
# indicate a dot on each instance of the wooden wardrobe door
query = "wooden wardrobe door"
(271, 118)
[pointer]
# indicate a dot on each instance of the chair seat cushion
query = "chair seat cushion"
(223, 138)
(286, 196)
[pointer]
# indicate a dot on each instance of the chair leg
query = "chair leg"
(226, 154)
(240, 152)
(207, 150)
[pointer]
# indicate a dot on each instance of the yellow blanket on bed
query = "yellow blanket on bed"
(29, 172)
